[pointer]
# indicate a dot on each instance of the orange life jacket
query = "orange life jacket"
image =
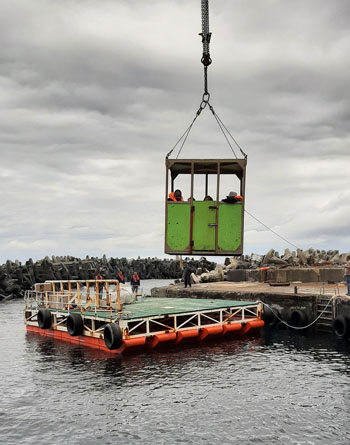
(172, 197)
(239, 197)
(135, 277)
(121, 276)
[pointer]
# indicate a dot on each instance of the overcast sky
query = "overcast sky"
(94, 93)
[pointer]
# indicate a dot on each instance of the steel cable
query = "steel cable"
(269, 228)
(206, 60)
(299, 327)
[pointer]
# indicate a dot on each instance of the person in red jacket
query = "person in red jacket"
(99, 276)
(135, 282)
(120, 277)
(176, 196)
(100, 285)
(347, 275)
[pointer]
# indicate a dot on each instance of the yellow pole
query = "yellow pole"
(78, 294)
(107, 294)
(119, 306)
(97, 294)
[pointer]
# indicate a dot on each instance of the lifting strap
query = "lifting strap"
(206, 60)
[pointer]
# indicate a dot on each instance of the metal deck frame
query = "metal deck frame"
(192, 320)
(96, 316)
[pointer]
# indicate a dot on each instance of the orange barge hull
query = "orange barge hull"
(151, 342)
(74, 317)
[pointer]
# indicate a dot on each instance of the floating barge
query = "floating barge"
(91, 313)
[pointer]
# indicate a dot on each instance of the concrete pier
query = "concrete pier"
(309, 298)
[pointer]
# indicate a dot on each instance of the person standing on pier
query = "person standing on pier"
(187, 276)
(347, 274)
(135, 282)
(120, 277)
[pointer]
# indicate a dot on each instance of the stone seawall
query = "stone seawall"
(15, 277)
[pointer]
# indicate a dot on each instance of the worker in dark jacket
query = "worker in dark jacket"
(187, 276)
(120, 277)
(232, 198)
(135, 282)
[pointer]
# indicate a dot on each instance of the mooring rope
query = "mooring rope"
(297, 327)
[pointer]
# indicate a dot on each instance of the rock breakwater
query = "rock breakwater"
(303, 258)
(16, 277)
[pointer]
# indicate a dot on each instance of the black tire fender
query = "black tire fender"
(268, 316)
(298, 318)
(341, 327)
(75, 324)
(273, 318)
(281, 326)
(44, 319)
(113, 336)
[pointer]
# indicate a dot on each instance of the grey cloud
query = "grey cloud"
(94, 94)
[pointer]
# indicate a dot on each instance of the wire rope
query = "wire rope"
(269, 228)
(299, 327)
(206, 61)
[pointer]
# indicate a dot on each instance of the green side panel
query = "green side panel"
(230, 226)
(178, 226)
(204, 235)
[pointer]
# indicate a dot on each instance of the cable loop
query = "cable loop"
(206, 98)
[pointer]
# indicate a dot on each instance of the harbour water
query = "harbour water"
(281, 387)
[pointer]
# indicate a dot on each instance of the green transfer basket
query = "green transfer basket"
(204, 227)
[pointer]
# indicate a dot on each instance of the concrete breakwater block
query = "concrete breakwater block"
(237, 275)
(332, 275)
(304, 275)
(246, 275)
(309, 275)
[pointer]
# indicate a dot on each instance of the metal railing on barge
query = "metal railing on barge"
(84, 294)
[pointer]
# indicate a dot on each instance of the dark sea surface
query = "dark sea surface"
(279, 387)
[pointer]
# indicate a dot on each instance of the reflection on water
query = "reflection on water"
(279, 388)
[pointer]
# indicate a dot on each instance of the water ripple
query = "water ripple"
(282, 388)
